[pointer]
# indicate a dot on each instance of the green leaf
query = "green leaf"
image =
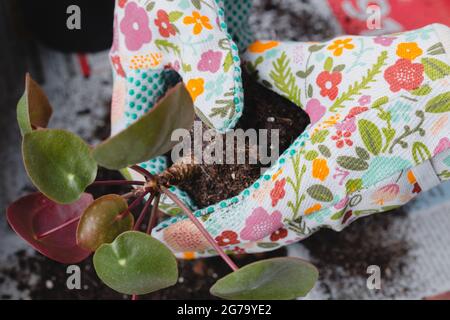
(320, 193)
(439, 104)
(150, 136)
(316, 47)
(352, 163)
(310, 91)
(324, 150)
(422, 91)
(59, 163)
(33, 109)
(228, 63)
(272, 279)
(420, 152)
(268, 245)
(338, 215)
(311, 155)
(136, 263)
(150, 6)
(353, 185)
(362, 153)
(175, 15)
(371, 136)
(99, 223)
(339, 68)
(284, 79)
(380, 101)
(319, 136)
(197, 4)
(328, 64)
(435, 69)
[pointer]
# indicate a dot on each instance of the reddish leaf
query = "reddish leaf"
(35, 214)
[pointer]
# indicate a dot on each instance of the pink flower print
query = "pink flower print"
(384, 41)
(385, 194)
(135, 27)
(364, 100)
(347, 125)
(210, 61)
(443, 145)
(341, 204)
(260, 224)
(315, 110)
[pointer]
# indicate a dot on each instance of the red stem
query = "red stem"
(117, 182)
(134, 297)
(154, 215)
(143, 212)
(202, 229)
(84, 64)
(142, 171)
(131, 206)
(65, 224)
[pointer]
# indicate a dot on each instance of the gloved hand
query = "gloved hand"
(379, 135)
(156, 41)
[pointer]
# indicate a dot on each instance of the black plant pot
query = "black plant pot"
(47, 21)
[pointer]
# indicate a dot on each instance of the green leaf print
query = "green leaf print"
(420, 152)
(439, 104)
(295, 207)
(167, 46)
(320, 193)
(285, 80)
(435, 69)
(422, 91)
(319, 136)
(352, 163)
(371, 136)
(362, 153)
(357, 87)
(175, 16)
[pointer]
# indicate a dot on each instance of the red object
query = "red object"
(395, 15)
(84, 65)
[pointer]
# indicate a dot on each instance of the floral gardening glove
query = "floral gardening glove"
(155, 42)
(379, 135)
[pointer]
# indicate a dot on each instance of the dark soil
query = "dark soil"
(264, 109)
(195, 278)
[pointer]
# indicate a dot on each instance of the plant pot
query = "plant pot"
(47, 21)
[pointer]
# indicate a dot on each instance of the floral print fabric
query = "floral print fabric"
(380, 111)
(155, 41)
(185, 36)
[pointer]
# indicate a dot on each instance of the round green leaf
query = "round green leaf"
(33, 109)
(59, 163)
(99, 223)
(136, 263)
(272, 279)
(320, 193)
(150, 136)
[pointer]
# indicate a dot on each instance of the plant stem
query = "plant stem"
(201, 228)
(117, 182)
(134, 297)
(142, 171)
(131, 206)
(154, 215)
(65, 224)
(143, 212)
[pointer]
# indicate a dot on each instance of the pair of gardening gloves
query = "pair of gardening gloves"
(379, 110)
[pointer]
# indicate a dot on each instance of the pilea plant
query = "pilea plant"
(66, 224)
